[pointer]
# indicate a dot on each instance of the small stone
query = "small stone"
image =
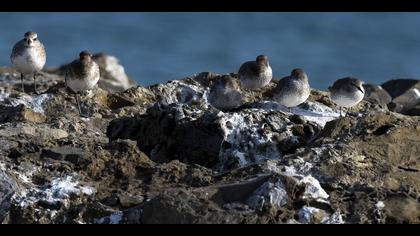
(31, 116)
(73, 155)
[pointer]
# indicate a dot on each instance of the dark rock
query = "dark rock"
(385, 129)
(15, 153)
(8, 188)
(124, 128)
(238, 192)
(414, 111)
(127, 160)
(289, 145)
(402, 210)
(397, 87)
(297, 119)
(116, 102)
(20, 113)
(129, 200)
(127, 216)
(163, 132)
(71, 154)
(111, 201)
(180, 206)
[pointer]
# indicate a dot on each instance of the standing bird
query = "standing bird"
(347, 92)
(28, 56)
(292, 90)
(225, 93)
(82, 74)
(255, 74)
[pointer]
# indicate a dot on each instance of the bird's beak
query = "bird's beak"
(359, 88)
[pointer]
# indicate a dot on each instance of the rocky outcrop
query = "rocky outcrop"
(163, 154)
(8, 188)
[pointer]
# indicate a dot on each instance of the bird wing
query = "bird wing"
(282, 83)
(249, 68)
(17, 49)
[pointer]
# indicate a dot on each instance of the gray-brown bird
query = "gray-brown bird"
(347, 92)
(82, 74)
(28, 57)
(225, 93)
(292, 90)
(255, 74)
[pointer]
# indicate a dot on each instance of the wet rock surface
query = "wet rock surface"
(164, 154)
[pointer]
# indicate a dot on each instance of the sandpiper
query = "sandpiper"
(292, 90)
(82, 74)
(28, 56)
(347, 92)
(255, 74)
(225, 93)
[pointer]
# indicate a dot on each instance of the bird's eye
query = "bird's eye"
(35, 39)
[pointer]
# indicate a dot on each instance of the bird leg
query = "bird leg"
(78, 103)
(290, 109)
(21, 79)
(36, 92)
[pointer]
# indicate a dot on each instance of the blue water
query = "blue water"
(157, 47)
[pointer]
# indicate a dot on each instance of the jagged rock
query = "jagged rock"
(401, 210)
(181, 206)
(181, 132)
(20, 113)
(8, 188)
(168, 132)
(413, 111)
(41, 132)
(163, 154)
(75, 156)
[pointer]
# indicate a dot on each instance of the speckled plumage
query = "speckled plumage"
(82, 74)
(28, 56)
(255, 74)
(292, 90)
(225, 93)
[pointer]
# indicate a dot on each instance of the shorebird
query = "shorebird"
(28, 56)
(82, 74)
(292, 90)
(255, 74)
(347, 92)
(225, 93)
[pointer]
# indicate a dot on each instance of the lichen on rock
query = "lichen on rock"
(164, 154)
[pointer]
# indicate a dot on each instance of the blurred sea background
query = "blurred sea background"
(157, 47)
